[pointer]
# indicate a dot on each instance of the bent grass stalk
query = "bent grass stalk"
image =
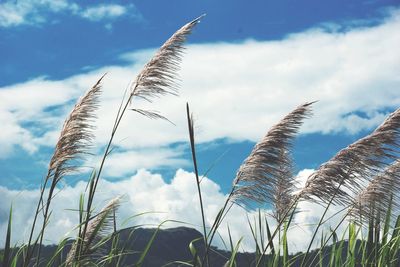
(156, 78)
(74, 141)
(193, 151)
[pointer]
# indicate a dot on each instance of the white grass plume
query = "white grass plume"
(345, 173)
(266, 174)
(383, 190)
(98, 228)
(76, 135)
(159, 75)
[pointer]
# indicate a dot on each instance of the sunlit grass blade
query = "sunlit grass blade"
(285, 247)
(193, 151)
(394, 244)
(7, 245)
(255, 238)
(195, 254)
(234, 251)
(269, 236)
(56, 259)
(333, 249)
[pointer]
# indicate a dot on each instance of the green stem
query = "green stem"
(320, 223)
(193, 150)
(92, 191)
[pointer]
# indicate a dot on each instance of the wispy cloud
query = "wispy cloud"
(36, 12)
(31, 12)
(108, 11)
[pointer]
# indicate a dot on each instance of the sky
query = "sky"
(247, 64)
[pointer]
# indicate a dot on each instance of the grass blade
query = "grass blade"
(7, 246)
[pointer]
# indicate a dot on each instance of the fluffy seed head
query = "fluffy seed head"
(266, 174)
(345, 174)
(76, 135)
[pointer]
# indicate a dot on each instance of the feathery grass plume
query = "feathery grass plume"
(98, 228)
(258, 177)
(76, 135)
(75, 140)
(346, 172)
(262, 175)
(156, 79)
(381, 192)
(159, 75)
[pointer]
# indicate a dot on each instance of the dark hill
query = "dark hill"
(170, 245)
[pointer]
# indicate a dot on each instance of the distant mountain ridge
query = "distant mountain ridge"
(171, 245)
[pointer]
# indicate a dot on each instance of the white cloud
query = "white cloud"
(14, 13)
(119, 164)
(33, 12)
(24, 103)
(147, 192)
(236, 91)
(12, 134)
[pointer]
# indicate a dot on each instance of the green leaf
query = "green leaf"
(193, 251)
(232, 260)
(7, 247)
(285, 244)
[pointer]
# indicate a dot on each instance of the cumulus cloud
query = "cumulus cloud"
(149, 192)
(26, 103)
(34, 12)
(236, 90)
(121, 164)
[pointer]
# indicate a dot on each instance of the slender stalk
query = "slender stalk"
(29, 252)
(335, 229)
(217, 222)
(269, 244)
(193, 150)
(45, 218)
(96, 180)
(318, 226)
(155, 79)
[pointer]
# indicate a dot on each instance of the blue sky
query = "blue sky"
(62, 43)
(248, 63)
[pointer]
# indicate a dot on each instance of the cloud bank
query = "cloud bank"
(148, 192)
(236, 91)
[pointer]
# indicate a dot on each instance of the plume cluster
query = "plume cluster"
(98, 228)
(266, 174)
(381, 192)
(76, 134)
(343, 176)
